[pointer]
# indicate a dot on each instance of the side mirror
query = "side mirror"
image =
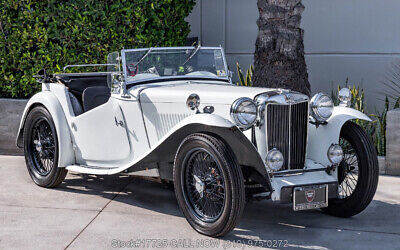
(230, 72)
(230, 75)
(115, 83)
(118, 85)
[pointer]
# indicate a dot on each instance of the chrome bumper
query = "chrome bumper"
(283, 184)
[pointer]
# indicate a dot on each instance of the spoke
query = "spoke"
(217, 195)
(348, 187)
(354, 160)
(351, 176)
(349, 168)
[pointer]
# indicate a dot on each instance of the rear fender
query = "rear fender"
(322, 137)
(48, 100)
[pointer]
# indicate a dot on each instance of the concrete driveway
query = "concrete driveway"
(105, 212)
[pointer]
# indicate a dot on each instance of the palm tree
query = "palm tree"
(279, 56)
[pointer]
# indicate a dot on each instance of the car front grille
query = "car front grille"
(287, 132)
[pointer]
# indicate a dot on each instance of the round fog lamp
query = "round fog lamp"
(335, 154)
(274, 159)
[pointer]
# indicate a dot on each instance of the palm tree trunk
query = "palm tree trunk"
(279, 56)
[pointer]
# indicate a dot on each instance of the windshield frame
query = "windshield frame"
(170, 78)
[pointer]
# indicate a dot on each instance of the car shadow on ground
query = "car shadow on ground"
(131, 190)
(262, 221)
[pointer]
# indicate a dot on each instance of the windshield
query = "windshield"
(183, 62)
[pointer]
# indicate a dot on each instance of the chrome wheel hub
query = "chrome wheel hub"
(38, 146)
(199, 185)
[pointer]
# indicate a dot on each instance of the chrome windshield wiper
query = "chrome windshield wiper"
(192, 55)
(143, 57)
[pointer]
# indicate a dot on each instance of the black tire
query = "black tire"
(351, 201)
(217, 161)
(41, 149)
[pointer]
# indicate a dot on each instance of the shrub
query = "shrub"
(245, 80)
(36, 34)
(392, 83)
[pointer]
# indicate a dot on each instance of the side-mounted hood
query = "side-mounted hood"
(209, 93)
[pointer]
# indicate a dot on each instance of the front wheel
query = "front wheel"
(358, 172)
(209, 185)
(41, 148)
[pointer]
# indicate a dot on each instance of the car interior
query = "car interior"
(86, 90)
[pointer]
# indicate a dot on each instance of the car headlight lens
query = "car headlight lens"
(344, 96)
(244, 112)
(321, 107)
(335, 154)
(274, 159)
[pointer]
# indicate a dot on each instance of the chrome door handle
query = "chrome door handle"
(118, 123)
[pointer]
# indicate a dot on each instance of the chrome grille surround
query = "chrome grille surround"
(287, 132)
(283, 117)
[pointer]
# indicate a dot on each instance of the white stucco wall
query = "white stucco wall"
(356, 39)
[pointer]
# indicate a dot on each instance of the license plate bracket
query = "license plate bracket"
(310, 197)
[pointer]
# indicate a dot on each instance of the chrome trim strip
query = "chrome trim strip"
(169, 48)
(299, 171)
(88, 65)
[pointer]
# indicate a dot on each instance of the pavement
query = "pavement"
(111, 212)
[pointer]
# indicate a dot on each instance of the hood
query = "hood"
(209, 93)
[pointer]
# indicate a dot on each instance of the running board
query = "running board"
(88, 169)
(108, 171)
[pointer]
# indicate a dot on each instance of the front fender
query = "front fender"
(51, 103)
(321, 138)
(242, 147)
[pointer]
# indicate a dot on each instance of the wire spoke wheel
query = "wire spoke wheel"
(348, 172)
(42, 147)
(204, 185)
(357, 173)
(209, 184)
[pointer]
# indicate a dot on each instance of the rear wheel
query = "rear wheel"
(41, 149)
(358, 172)
(209, 185)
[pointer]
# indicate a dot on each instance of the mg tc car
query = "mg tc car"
(175, 114)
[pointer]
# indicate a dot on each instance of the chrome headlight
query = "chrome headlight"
(244, 112)
(321, 107)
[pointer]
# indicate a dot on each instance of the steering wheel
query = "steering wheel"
(132, 69)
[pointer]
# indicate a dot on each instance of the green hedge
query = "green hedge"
(36, 34)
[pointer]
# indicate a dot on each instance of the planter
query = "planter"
(10, 116)
(382, 164)
(393, 142)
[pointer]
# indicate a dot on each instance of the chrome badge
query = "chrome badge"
(289, 98)
(310, 194)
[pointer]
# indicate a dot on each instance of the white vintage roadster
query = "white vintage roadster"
(175, 114)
